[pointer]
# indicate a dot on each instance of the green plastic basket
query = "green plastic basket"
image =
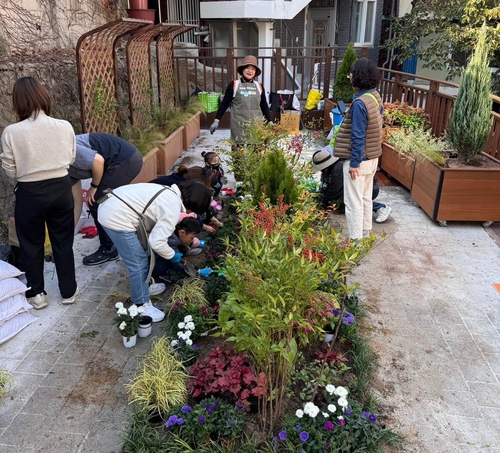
(209, 101)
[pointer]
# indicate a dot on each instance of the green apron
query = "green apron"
(244, 108)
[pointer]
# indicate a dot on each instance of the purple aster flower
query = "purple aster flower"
(201, 419)
(372, 417)
(180, 421)
(193, 346)
(239, 405)
(328, 425)
(297, 427)
(172, 420)
(348, 412)
(210, 408)
(282, 435)
(365, 414)
(175, 346)
(186, 409)
(336, 312)
(215, 402)
(303, 436)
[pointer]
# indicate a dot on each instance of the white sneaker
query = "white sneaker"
(383, 214)
(71, 300)
(156, 288)
(150, 310)
(194, 251)
(38, 302)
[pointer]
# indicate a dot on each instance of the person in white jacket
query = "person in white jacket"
(121, 222)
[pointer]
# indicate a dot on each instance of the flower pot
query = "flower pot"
(145, 326)
(130, 343)
(138, 4)
(328, 337)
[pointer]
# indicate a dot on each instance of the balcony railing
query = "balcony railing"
(213, 68)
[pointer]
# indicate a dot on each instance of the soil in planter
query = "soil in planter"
(481, 162)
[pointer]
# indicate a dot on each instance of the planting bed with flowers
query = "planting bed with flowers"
(243, 365)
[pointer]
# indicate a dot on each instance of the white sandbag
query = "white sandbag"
(10, 287)
(12, 306)
(14, 325)
(7, 270)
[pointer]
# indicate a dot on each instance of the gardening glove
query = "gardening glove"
(176, 258)
(201, 243)
(214, 127)
(205, 272)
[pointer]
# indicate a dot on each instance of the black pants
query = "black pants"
(46, 202)
(114, 176)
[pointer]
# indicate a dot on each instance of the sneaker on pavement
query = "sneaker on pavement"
(71, 300)
(155, 314)
(38, 302)
(156, 288)
(101, 256)
(195, 251)
(383, 214)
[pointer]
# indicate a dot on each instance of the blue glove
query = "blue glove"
(214, 127)
(205, 272)
(217, 186)
(201, 243)
(176, 258)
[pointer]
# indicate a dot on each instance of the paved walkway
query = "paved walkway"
(433, 315)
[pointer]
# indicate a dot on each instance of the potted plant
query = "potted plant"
(127, 321)
(160, 382)
(342, 88)
(183, 345)
(402, 115)
(400, 148)
(460, 191)
(191, 129)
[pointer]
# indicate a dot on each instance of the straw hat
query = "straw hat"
(249, 59)
(322, 159)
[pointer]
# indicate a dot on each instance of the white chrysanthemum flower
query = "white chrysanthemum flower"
(330, 389)
(140, 309)
(190, 325)
(187, 333)
(299, 413)
(133, 311)
(180, 334)
(340, 417)
(188, 318)
(122, 311)
(122, 325)
(189, 342)
(325, 414)
(341, 391)
(311, 409)
(119, 305)
(342, 402)
(332, 408)
(181, 325)
(174, 343)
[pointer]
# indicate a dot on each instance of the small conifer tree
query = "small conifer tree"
(342, 88)
(273, 178)
(470, 120)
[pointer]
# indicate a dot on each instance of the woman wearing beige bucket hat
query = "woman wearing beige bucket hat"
(247, 99)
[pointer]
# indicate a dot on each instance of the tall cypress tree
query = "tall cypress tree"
(470, 120)
(342, 88)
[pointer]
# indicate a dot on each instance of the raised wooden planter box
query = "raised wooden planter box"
(149, 167)
(460, 194)
(397, 164)
(191, 130)
(170, 150)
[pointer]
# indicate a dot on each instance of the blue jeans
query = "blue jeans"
(136, 260)
(377, 206)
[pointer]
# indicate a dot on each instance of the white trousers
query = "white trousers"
(358, 197)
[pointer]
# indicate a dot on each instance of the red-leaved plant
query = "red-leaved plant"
(225, 370)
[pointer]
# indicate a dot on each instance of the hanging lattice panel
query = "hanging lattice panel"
(165, 61)
(97, 80)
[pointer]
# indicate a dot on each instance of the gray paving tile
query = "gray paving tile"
(10, 408)
(69, 442)
(486, 395)
(46, 401)
(38, 362)
(481, 327)
(25, 385)
(493, 361)
(488, 344)
(26, 431)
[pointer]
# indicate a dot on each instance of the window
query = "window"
(365, 18)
